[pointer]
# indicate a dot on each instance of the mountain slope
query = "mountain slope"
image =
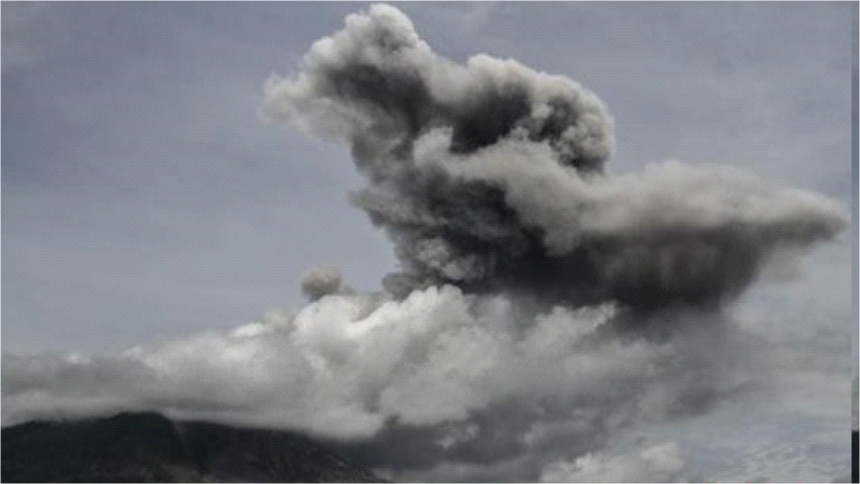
(855, 456)
(147, 447)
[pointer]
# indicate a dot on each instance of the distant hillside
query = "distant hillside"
(855, 456)
(147, 447)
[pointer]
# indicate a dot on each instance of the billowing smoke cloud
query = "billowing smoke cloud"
(544, 306)
(490, 176)
(441, 385)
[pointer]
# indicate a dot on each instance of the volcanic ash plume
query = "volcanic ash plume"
(544, 308)
(490, 176)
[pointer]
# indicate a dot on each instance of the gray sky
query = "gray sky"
(144, 197)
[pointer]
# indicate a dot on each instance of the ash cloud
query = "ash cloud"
(544, 305)
(490, 176)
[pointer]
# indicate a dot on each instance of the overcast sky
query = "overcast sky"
(144, 196)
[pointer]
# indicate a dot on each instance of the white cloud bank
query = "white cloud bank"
(659, 463)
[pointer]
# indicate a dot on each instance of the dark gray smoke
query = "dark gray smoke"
(491, 176)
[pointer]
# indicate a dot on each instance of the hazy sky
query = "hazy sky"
(144, 196)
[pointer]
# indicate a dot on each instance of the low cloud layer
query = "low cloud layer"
(544, 304)
(659, 463)
(440, 376)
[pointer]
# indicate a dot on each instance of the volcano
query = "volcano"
(148, 447)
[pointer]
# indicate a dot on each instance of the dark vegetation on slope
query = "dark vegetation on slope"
(147, 447)
(855, 456)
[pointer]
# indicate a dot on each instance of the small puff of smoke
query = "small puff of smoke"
(321, 281)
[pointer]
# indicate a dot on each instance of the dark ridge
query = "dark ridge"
(147, 447)
(855, 457)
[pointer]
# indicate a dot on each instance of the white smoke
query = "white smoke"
(359, 367)
(321, 281)
(659, 463)
(343, 365)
